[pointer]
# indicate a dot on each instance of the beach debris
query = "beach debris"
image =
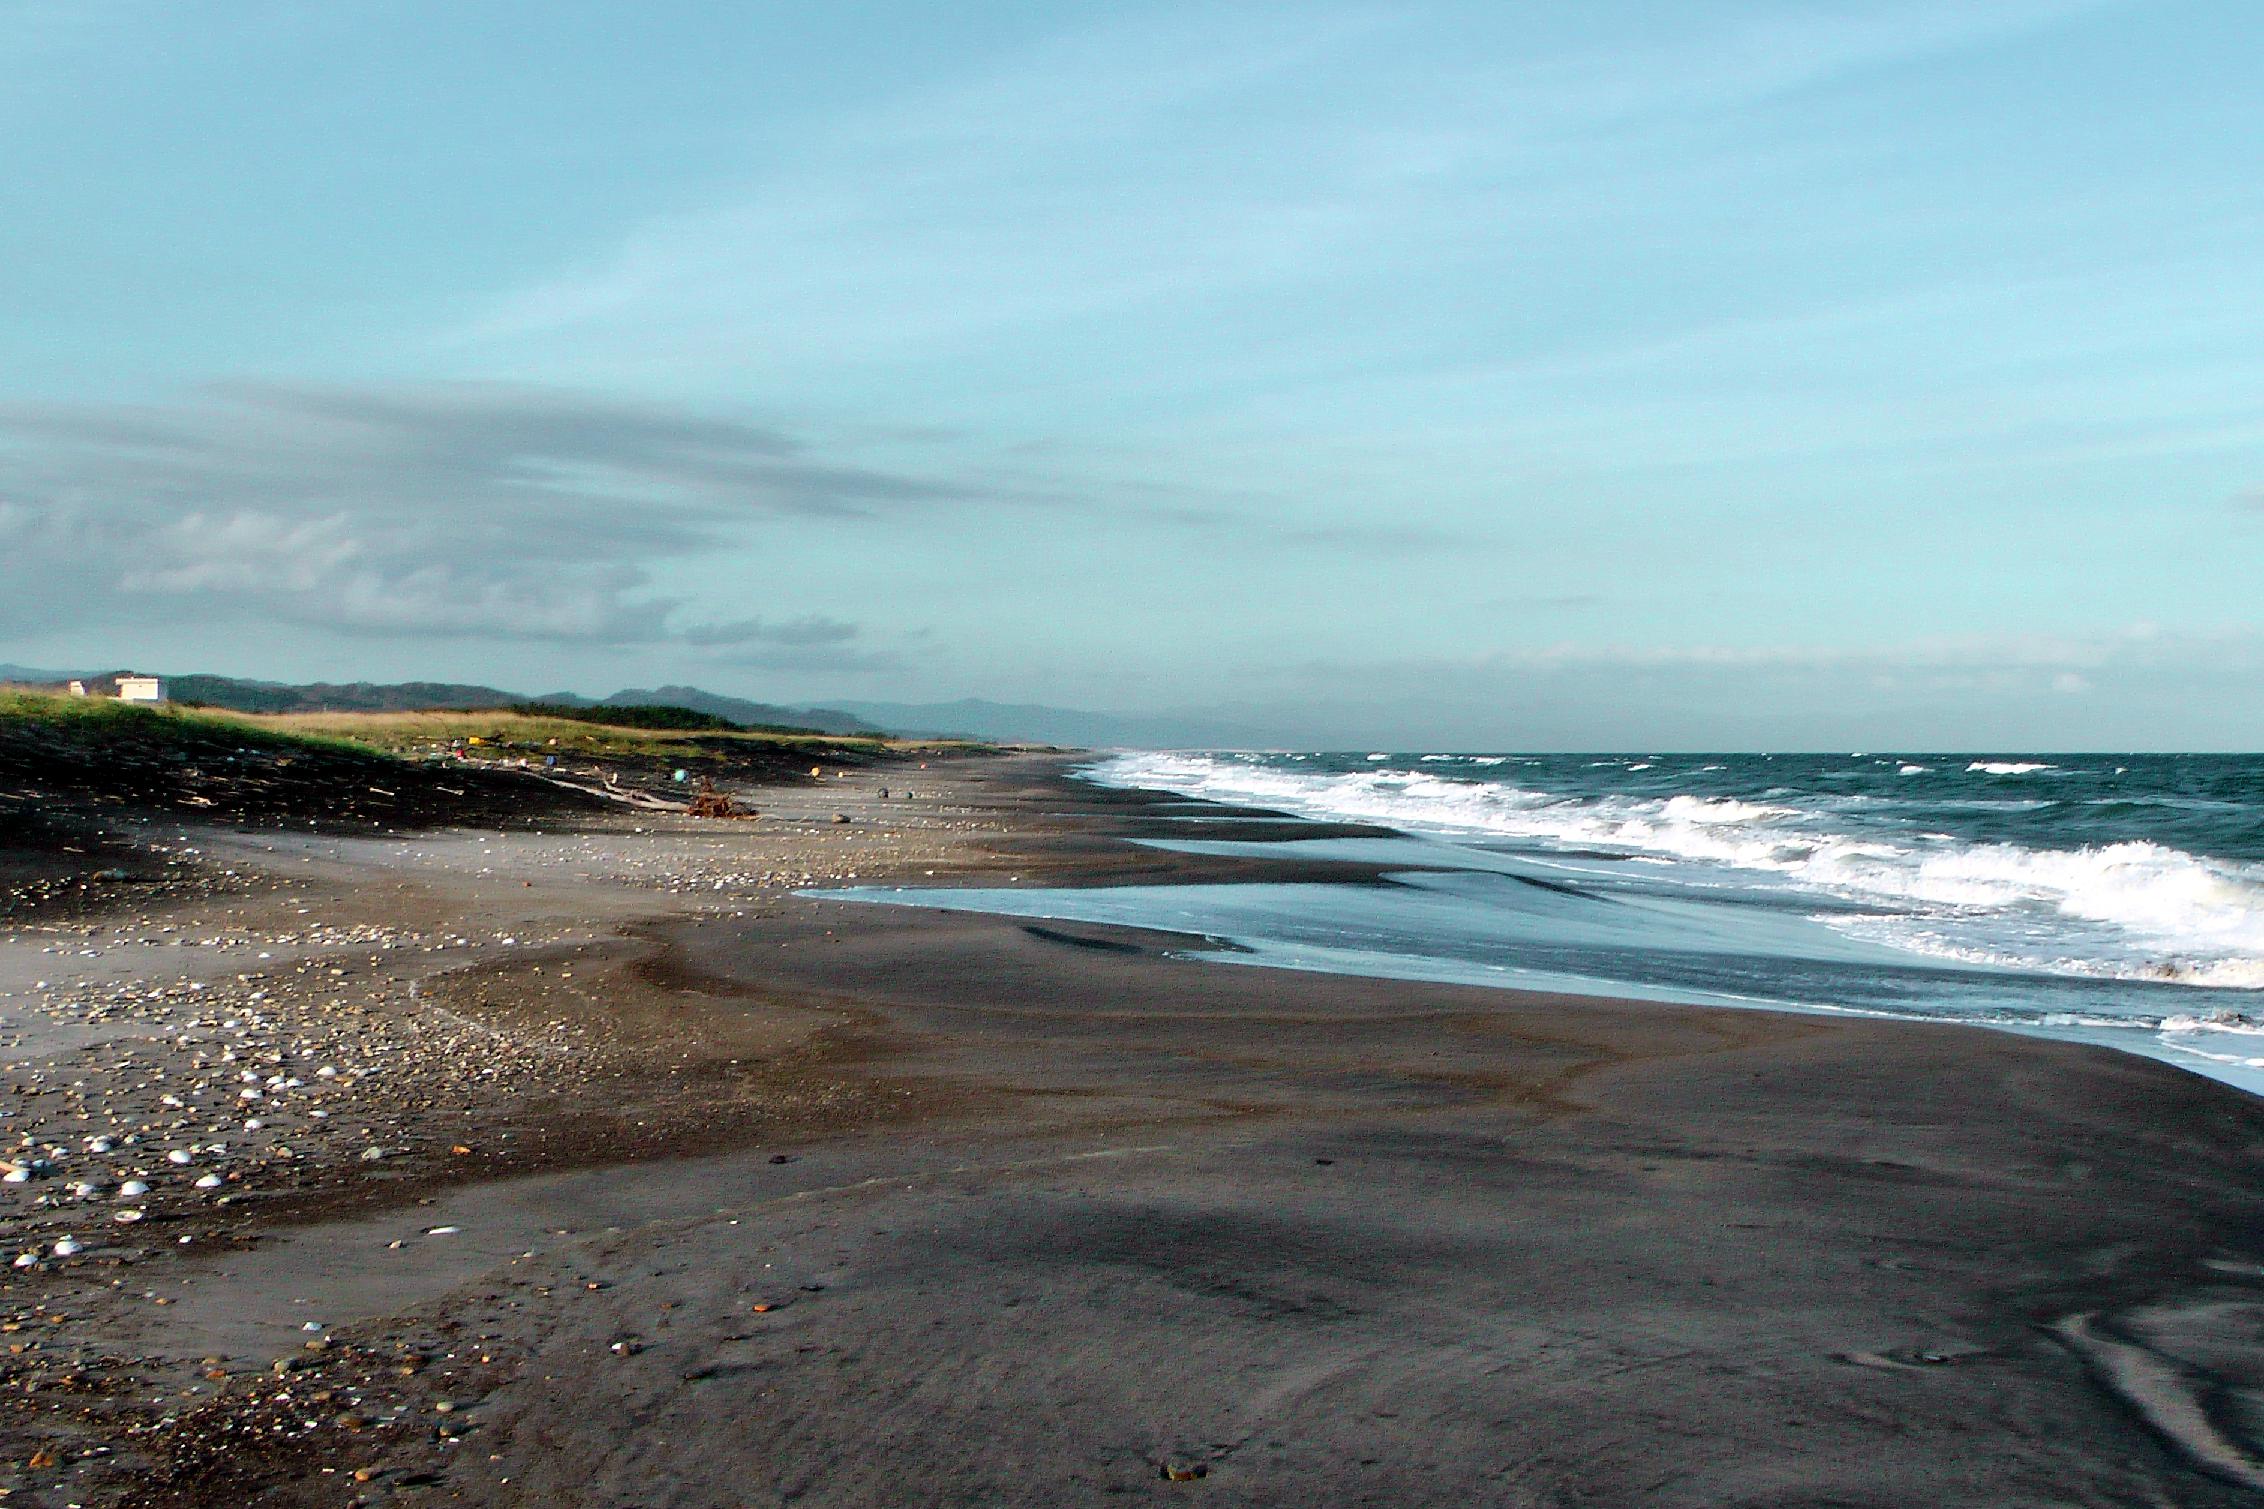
(709, 802)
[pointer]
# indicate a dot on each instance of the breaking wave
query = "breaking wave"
(2129, 910)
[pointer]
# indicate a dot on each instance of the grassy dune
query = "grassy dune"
(496, 734)
(505, 733)
(61, 725)
(91, 723)
(385, 770)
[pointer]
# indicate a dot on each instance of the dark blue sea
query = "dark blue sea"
(2113, 899)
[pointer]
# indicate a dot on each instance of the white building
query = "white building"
(140, 689)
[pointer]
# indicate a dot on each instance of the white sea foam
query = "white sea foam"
(2216, 1021)
(2133, 910)
(2008, 767)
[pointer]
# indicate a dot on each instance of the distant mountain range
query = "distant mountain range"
(825, 720)
(403, 696)
(970, 717)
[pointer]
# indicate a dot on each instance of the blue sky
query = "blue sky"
(1606, 375)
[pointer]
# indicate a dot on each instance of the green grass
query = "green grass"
(510, 732)
(61, 724)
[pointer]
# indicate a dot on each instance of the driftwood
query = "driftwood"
(706, 802)
(713, 803)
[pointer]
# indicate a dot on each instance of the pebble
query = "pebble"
(305, 1040)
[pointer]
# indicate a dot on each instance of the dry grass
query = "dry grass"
(519, 733)
(61, 721)
(89, 722)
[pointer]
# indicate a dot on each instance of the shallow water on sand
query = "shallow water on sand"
(2114, 900)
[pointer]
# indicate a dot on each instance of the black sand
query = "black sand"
(1173, 1231)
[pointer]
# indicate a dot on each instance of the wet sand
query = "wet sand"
(848, 1204)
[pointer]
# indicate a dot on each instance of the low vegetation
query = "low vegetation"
(57, 726)
(511, 732)
(381, 768)
(69, 761)
(652, 715)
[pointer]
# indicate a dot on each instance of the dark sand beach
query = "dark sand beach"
(769, 1200)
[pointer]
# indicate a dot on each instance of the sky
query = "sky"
(1631, 374)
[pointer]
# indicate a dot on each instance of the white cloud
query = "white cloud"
(449, 510)
(1141, 166)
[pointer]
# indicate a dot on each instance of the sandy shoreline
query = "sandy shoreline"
(768, 1199)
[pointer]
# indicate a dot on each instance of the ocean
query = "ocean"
(2112, 899)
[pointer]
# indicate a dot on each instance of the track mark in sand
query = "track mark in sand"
(1914, 1359)
(1195, 1452)
(2165, 1396)
(908, 1180)
(1105, 945)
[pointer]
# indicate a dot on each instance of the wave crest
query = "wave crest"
(2133, 910)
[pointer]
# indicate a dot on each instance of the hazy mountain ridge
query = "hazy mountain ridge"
(968, 717)
(974, 717)
(826, 720)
